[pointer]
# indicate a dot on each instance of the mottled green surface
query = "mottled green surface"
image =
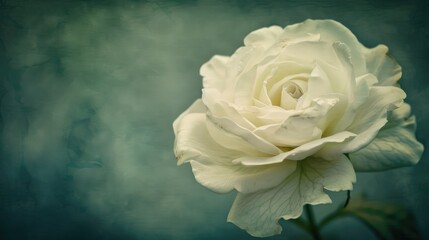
(89, 90)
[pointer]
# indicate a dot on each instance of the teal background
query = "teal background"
(89, 90)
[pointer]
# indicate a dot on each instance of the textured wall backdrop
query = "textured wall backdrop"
(89, 90)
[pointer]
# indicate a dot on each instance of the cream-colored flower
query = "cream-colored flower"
(278, 117)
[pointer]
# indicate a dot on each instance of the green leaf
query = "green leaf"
(388, 221)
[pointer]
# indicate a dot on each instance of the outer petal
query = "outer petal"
(224, 178)
(212, 162)
(331, 31)
(264, 37)
(395, 145)
(214, 71)
(385, 68)
(221, 75)
(196, 107)
(371, 116)
(258, 213)
(193, 142)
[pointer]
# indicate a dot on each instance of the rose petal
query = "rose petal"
(291, 39)
(264, 115)
(221, 74)
(299, 128)
(233, 128)
(331, 63)
(264, 37)
(273, 73)
(385, 68)
(258, 213)
(193, 142)
(331, 31)
(347, 83)
(245, 179)
(263, 95)
(372, 115)
(196, 107)
(318, 84)
(224, 109)
(333, 73)
(298, 153)
(287, 101)
(307, 53)
(348, 109)
(231, 141)
(214, 72)
(243, 60)
(395, 145)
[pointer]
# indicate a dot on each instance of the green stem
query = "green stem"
(348, 199)
(314, 230)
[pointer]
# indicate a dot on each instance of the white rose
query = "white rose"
(278, 117)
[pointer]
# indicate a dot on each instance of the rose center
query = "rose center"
(286, 92)
(293, 90)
